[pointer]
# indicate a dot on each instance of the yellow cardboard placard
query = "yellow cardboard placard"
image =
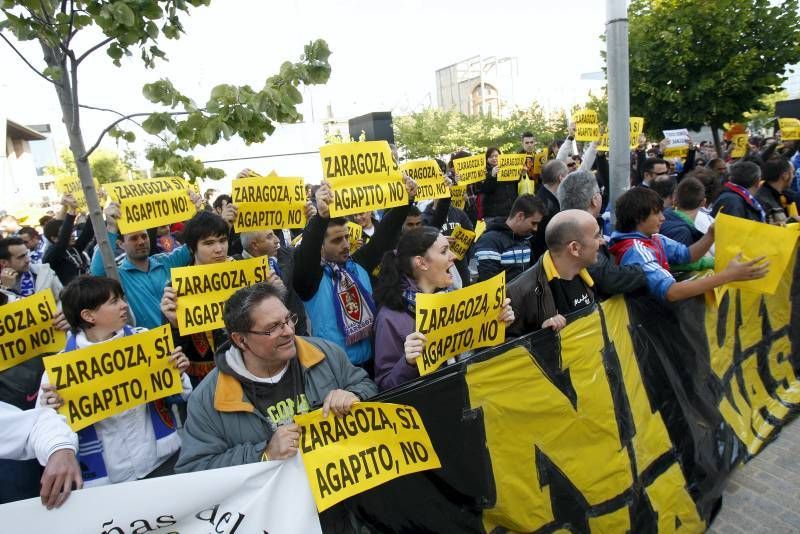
(602, 143)
(470, 170)
(373, 444)
(363, 177)
(107, 378)
(510, 167)
(739, 146)
(636, 128)
(430, 180)
(733, 235)
(463, 240)
(586, 132)
(790, 129)
(676, 152)
(26, 329)
(585, 116)
(268, 203)
(149, 203)
(539, 160)
(71, 185)
(459, 321)
(480, 227)
(202, 290)
(458, 196)
(354, 233)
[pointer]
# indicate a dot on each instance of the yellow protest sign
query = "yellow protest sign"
(430, 180)
(71, 185)
(458, 197)
(676, 152)
(470, 170)
(733, 235)
(636, 128)
(363, 177)
(149, 203)
(480, 227)
(354, 233)
(26, 329)
(463, 240)
(602, 143)
(459, 321)
(539, 160)
(790, 129)
(373, 444)
(510, 167)
(584, 116)
(267, 203)
(739, 146)
(107, 378)
(202, 290)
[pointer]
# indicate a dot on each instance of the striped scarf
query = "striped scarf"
(356, 309)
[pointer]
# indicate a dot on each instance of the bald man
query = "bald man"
(558, 284)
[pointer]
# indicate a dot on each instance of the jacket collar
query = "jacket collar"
(229, 395)
(551, 272)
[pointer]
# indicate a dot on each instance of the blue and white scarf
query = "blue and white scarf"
(356, 316)
(27, 284)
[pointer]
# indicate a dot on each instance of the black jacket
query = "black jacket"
(69, 262)
(611, 279)
(774, 201)
(499, 249)
(551, 205)
(730, 203)
(497, 197)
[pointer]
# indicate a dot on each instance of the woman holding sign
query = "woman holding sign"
(140, 442)
(496, 197)
(420, 264)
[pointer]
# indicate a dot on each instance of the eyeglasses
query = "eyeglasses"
(291, 320)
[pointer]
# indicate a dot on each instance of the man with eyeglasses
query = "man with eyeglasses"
(243, 411)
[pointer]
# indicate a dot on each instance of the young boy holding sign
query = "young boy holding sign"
(140, 442)
(420, 264)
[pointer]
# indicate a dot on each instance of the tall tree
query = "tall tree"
(695, 62)
(138, 25)
(106, 166)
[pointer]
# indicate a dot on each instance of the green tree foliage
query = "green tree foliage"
(695, 62)
(106, 165)
(758, 119)
(434, 132)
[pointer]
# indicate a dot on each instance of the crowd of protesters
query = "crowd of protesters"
(333, 325)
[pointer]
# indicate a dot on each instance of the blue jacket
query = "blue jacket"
(143, 290)
(499, 249)
(677, 228)
(659, 279)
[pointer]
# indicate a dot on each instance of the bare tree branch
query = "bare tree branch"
(28, 63)
(95, 47)
(115, 112)
(121, 119)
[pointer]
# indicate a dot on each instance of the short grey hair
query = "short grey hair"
(576, 190)
(236, 314)
(247, 238)
(552, 170)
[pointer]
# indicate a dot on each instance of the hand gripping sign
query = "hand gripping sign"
(459, 321)
(373, 444)
(363, 177)
(107, 378)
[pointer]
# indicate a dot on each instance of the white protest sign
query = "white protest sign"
(677, 137)
(270, 497)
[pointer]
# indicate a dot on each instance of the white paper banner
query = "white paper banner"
(677, 137)
(269, 497)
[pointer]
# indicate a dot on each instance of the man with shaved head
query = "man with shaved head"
(558, 284)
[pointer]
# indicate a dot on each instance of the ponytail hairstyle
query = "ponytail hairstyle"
(399, 263)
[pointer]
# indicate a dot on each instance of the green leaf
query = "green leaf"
(53, 73)
(122, 13)
(114, 51)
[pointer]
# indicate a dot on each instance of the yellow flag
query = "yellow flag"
(354, 233)
(459, 321)
(470, 170)
(790, 129)
(26, 329)
(373, 444)
(107, 378)
(480, 227)
(510, 167)
(739, 146)
(430, 180)
(733, 235)
(149, 203)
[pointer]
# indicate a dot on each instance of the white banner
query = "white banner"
(269, 497)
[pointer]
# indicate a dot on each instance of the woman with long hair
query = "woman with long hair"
(420, 264)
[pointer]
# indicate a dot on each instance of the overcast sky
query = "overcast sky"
(384, 59)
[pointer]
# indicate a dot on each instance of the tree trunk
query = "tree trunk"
(71, 117)
(717, 142)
